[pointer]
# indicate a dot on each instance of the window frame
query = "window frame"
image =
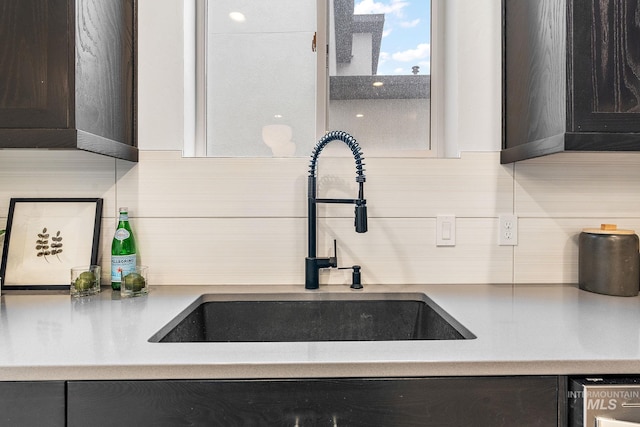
(195, 144)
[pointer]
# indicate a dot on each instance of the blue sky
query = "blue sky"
(406, 38)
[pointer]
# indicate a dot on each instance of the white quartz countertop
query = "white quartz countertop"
(521, 330)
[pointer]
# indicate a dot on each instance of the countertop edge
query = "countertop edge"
(319, 370)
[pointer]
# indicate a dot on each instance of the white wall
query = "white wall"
(160, 75)
(360, 64)
(218, 221)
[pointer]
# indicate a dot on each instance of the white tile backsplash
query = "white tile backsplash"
(165, 185)
(56, 173)
(239, 221)
(579, 185)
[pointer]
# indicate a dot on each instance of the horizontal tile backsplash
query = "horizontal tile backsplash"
(56, 173)
(240, 221)
(165, 185)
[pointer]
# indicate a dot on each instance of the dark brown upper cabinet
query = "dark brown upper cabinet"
(68, 75)
(571, 77)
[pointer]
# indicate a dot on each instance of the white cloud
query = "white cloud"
(383, 57)
(365, 7)
(385, 33)
(420, 52)
(425, 67)
(410, 24)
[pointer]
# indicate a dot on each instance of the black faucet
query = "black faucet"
(313, 264)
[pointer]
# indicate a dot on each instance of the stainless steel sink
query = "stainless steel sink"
(307, 317)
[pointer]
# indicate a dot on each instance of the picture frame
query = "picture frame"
(45, 237)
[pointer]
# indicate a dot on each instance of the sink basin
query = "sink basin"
(310, 317)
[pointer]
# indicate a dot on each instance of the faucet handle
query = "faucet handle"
(333, 261)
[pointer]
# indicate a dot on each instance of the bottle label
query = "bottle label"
(122, 265)
(122, 234)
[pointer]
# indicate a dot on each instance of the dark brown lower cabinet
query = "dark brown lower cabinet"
(452, 401)
(32, 403)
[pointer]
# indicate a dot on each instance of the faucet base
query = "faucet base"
(311, 273)
(312, 268)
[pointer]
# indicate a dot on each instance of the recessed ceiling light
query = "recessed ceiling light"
(237, 16)
(278, 116)
(359, 115)
(377, 84)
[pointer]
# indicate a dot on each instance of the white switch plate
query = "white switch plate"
(507, 230)
(445, 230)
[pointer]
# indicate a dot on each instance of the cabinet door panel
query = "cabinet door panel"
(32, 404)
(534, 85)
(34, 59)
(495, 402)
(105, 68)
(606, 66)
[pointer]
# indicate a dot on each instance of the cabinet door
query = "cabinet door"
(534, 84)
(32, 404)
(105, 67)
(34, 63)
(605, 66)
(478, 402)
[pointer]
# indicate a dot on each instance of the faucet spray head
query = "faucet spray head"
(361, 217)
(361, 208)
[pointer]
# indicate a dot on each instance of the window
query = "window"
(379, 73)
(280, 73)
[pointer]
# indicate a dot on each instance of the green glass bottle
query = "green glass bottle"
(123, 250)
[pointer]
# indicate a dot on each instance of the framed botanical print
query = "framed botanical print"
(45, 237)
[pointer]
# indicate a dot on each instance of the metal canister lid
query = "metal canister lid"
(608, 229)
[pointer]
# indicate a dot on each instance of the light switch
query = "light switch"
(445, 230)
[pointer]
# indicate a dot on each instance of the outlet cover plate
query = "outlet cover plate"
(507, 230)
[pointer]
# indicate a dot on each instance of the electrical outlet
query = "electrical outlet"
(507, 230)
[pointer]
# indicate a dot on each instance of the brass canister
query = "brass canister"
(609, 261)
